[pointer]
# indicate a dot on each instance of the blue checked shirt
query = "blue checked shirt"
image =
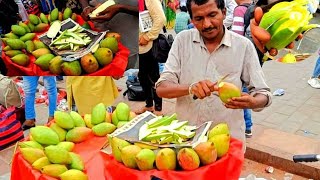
(181, 23)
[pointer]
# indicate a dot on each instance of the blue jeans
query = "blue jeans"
(316, 71)
(247, 113)
(30, 84)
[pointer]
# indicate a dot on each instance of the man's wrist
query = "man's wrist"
(190, 88)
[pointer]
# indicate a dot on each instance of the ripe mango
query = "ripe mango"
(54, 170)
(123, 111)
(128, 155)
(227, 90)
(206, 152)
(67, 13)
(77, 119)
(31, 26)
(41, 27)
(30, 144)
(108, 117)
(40, 52)
(4, 40)
(55, 65)
(18, 30)
(11, 36)
(104, 56)
(78, 134)
(33, 19)
(25, 27)
(21, 59)
(71, 68)
(87, 120)
(44, 135)
(114, 118)
(116, 146)
(30, 47)
(16, 44)
(145, 159)
(7, 48)
(111, 43)
(60, 131)
(32, 154)
(103, 129)
(98, 114)
(121, 123)
(166, 159)
(63, 119)
(188, 159)
(66, 145)
(73, 174)
(12, 53)
(57, 155)
(76, 162)
(132, 115)
(60, 17)
(74, 16)
(44, 18)
(89, 63)
(27, 37)
(43, 61)
(54, 15)
(40, 163)
(221, 143)
(114, 34)
(221, 128)
(38, 44)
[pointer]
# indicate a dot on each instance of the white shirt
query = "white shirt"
(230, 5)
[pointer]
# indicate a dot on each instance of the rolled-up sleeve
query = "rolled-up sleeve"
(253, 76)
(158, 19)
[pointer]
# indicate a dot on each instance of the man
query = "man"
(200, 57)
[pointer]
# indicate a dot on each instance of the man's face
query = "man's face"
(208, 19)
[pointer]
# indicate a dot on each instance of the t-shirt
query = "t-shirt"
(181, 23)
(238, 20)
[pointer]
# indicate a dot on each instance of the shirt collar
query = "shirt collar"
(226, 39)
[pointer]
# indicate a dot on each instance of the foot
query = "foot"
(314, 82)
(50, 118)
(28, 124)
(158, 113)
(144, 109)
(248, 134)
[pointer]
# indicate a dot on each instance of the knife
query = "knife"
(218, 82)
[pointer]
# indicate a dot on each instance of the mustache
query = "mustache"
(208, 29)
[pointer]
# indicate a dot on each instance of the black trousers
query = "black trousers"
(148, 76)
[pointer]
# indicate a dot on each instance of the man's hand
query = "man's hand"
(203, 89)
(142, 41)
(244, 102)
(107, 14)
(85, 14)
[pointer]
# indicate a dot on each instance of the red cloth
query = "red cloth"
(99, 166)
(115, 68)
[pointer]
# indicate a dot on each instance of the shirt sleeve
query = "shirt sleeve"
(253, 76)
(238, 20)
(158, 19)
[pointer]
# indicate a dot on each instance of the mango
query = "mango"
(7, 48)
(27, 37)
(114, 34)
(12, 53)
(40, 163)
(44, 18)
(74, 16)
(11, 36)
(77, 119)
(111, 43)
(33, 19)
(128, 155)
(41, 27)
(55, 65)
(21, 59)
(132, 115)
(67, 13)
(108, 117)
(32, 154)
(116, 146)
(18, 30)
(44, 135)
(206, 152)
(31, 26)
(188, 159)
(103, 129)
(76, 162)
(25, 27)
(73, 174)
(98, 114)
(104, 56)
(71, 68)
(114, 118)
(40, 52)
(30, 47)
(78, 134)
(145, 159)
(57, 155)
(66, 145)
(121, 123)
(38, 44)
(63, 119)
(54, 15)
(30, 144)
(123, 111)
(54, 170)
(221, 128)
(221, 143)
(166, 159)
(60, 17)
(87, 120)
(89, 63)
(16, 44)
(60, 131)
(227, 91)
(43, 61)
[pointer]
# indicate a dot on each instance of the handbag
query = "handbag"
(161, 46)
(10, 93)
(134, 90)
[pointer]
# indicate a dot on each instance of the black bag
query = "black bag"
(161, 46)
(134, 90)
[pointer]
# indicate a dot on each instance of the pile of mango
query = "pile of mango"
(146, 157)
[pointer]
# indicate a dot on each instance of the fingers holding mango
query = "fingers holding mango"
(203, 88)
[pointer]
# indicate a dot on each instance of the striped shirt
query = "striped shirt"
(238, 20)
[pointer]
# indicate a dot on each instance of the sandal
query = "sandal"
(144, 109)
(26, 127)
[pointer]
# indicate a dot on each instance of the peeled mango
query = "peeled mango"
(116, 146)
(57, 155)
(78, 134)
(76, 162)
(128, 155)
(30, 144)
(60, 131)
(145, 159)
(32, 154)
(98, 114)
(40, 163)
(227, 91)
(54, 170)
(188, 159)
(21, 59)
(103, 129)
(63, 119)
(166, 159)
(221, 128)
(206, 152)
(73, 174)
(221, 143)
(44, 135)
(123, 111)
(77, 119)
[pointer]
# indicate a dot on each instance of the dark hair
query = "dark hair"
(183, 9)
(220, 4)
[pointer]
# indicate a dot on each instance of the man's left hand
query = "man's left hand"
(244, 102)
(142, 41)
(107, 14)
